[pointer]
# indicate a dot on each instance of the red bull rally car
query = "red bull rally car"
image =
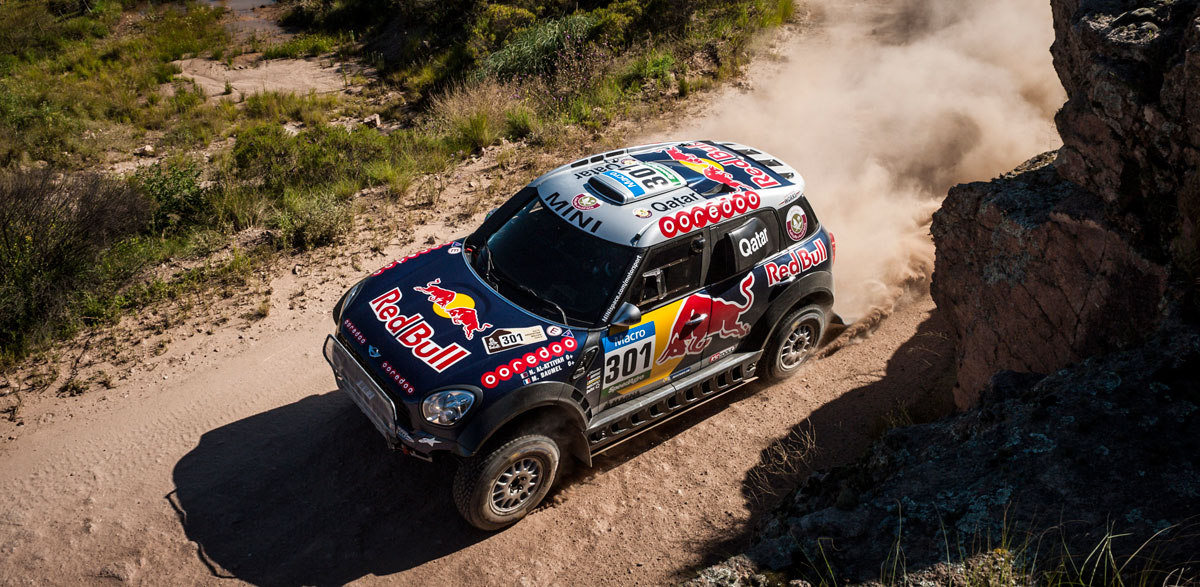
(607, 296)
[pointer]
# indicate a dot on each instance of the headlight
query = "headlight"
(347, 298)
(445, 408)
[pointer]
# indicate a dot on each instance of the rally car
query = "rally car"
(607, 296)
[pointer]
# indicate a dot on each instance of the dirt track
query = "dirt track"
(234, 456)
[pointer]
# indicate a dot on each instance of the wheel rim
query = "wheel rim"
(513, 489)
(799, 344)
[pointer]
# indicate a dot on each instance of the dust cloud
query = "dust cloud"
(882, 106)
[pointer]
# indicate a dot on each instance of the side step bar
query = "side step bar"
(628, 420)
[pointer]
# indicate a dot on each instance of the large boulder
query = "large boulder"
(1131, 124)
(1032, 277)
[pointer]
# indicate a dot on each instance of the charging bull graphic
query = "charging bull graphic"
(723, 320)
(463, 314)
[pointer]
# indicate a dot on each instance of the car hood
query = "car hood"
(427, 322)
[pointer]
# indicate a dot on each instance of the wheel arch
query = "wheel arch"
(544, 408)
(812, 289)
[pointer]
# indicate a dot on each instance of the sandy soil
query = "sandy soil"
(279, 75)
(231, 455)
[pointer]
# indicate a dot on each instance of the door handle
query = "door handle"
(695, 321)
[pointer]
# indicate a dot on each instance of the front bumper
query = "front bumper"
(354, 381)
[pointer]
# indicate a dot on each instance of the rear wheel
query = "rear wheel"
(794, 341)
(496, 489)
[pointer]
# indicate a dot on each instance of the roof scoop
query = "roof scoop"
(635, 181)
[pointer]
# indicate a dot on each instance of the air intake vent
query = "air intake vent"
(606, 190)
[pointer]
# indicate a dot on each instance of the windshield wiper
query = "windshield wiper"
(527, 290)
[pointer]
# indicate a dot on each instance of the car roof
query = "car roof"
(649, 194)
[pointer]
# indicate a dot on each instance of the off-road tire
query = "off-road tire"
(803, 326)
(479, 480)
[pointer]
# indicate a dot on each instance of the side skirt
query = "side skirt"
(626, 421)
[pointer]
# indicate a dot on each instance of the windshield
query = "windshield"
(539, 261)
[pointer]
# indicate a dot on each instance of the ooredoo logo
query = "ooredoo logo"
(711, 212)
(518, 365)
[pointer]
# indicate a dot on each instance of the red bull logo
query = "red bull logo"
(798, 262)
(458, 308)
(759, 177)
(415, 333)
(723, 320)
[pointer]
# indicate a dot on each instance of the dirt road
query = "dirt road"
(232, 456)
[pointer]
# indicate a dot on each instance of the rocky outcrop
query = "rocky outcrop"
(1035, 272)
(1033, 277)
(1131, 125)
(1045, 467)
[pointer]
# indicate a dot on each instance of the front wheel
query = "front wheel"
(794, 341)
(497, 489)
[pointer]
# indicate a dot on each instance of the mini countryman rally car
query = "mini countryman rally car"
(607, 296)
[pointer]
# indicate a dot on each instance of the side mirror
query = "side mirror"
(627, 315)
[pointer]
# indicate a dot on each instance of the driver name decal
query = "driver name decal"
(415, 333)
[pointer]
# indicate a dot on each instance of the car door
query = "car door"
(645, 356)
(734, 283)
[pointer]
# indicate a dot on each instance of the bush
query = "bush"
(54, 230)
(315, 156)
(175, 189)
(535, 51)
(312, 218)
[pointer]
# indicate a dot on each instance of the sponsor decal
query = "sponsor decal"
(601, 169)
(431, 441)
(415, 333)
(796, 262)
(585, 202)
(711, 212)
(399, 379)
(353, 331)
(628, 182)
(554, 331)
(723, 320)
(628, 357)
(593, 381)
(637, 262)
(568, 212)
(796, 222)
(530, 360)
(454, 250)
(759, 177)
(680, 373)
(373, 352)
(405, 259)
(751, 245)
(721, 355)
(642, 213)
(503, 339)
(459, 308)
(676, 202)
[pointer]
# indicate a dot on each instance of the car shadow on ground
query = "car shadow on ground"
(917, 386)
(309, 494)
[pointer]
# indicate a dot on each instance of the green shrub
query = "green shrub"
(312, 218)
(493, 27)
(266, 153)
(55, 230)
(174, 186)
(534, 51)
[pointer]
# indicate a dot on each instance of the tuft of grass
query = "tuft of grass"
(312, 218)
(309, 45)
